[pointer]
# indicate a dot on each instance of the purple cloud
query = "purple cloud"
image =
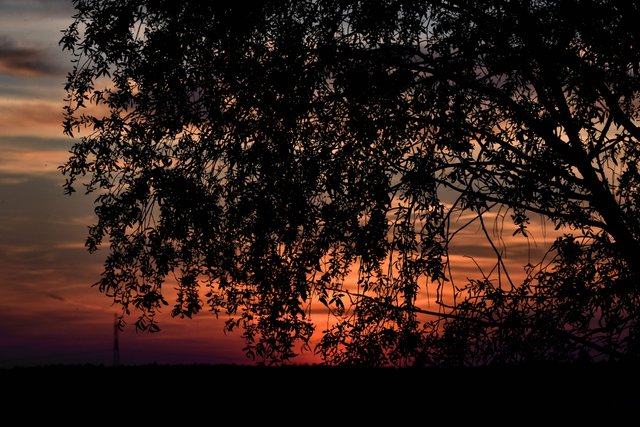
(24, 60)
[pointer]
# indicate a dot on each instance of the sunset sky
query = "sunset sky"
(49, 313)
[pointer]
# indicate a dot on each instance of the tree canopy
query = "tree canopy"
(280, 158)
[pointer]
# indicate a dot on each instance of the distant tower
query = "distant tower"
(116, 347)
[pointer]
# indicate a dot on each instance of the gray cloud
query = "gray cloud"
(34, 143)
(41, 8)
(55, 296)
(24, 60)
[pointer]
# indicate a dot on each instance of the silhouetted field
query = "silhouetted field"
(314, 390)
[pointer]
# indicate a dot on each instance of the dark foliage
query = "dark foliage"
(262, 153)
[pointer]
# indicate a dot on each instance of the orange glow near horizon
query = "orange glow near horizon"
(50, 314)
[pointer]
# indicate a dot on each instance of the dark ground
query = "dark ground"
(532, 395)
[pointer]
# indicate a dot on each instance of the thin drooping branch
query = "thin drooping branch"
(482, 322)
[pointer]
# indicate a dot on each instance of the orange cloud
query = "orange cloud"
(33, 118)
(25, 162)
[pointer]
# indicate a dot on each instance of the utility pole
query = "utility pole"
(116, 346)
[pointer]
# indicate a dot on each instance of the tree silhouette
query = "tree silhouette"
(261, 154)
